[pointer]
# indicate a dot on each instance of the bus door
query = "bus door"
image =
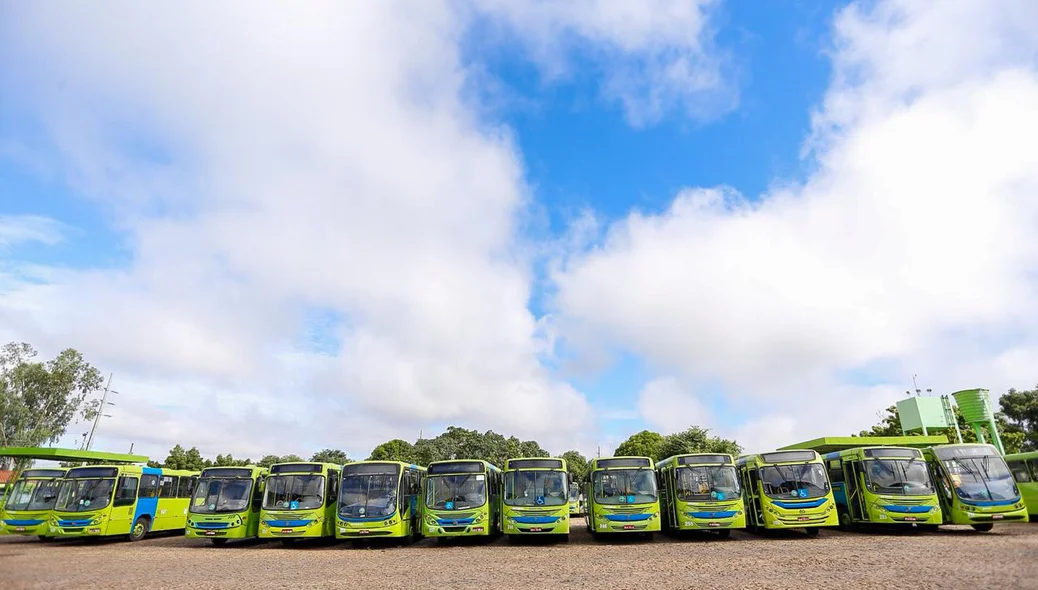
(856, 490)
(125, 498)
(751, 484)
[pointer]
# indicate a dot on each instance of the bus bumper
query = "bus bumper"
(518, 523)
(969, 514)
(217, 527)
(711, 518)
(625, 522)
(14, 525)
(377, 529)
(456, 525)
(894, 514)
(296, 526)
(795, 517)
(78, 525)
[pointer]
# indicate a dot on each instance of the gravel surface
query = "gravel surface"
(955, 557)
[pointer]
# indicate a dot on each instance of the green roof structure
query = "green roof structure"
(58, 454)
(829, 444)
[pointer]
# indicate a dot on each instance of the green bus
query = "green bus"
(1024, 467)
(883, 485)
(700, 492)
(462, 498)
(576, 500)
(379, 499)
(536, 498)
(974, 485)
(110, 500)
(299, 501)
(29, 502)
(226, 504)
(787, 490)
(621, 496)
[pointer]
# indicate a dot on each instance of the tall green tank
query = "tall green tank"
(975, 405)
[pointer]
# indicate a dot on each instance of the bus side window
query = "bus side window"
(1019, 469)
(257, 494)
(169, 486)
(333, 488)
(149, 486)
(1033, 464)
(835, 471)
(126, 492)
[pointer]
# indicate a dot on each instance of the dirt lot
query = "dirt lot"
(953, 558)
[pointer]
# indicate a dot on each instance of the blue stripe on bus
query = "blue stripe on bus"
(723, 514)
(908, 509)
(535, 519)
(627, 517)
(454, 521)
(989, 502)
(151, 471)
(23, 522)
(794, 505)
(65, 523)
(365, 518)
(212, 525)
(291, 523)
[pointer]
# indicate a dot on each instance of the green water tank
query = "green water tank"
(974, 405)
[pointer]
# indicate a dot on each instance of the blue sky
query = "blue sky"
(568, 221)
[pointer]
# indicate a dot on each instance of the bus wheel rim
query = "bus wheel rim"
(138, 529)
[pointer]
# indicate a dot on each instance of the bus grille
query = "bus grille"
(538, 512)
(626, 509)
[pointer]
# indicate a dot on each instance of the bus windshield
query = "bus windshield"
(368, 495)
(455, 492)
(535, 488)
(221, 494)
(804, 480)
(907, 477)
(707, 483)
(574, 494)
(33, 494)
(80, 495)
(981, 478)
(294, 492)
(624, 486)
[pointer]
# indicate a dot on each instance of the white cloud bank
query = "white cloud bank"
(270, 164)
(911, 249)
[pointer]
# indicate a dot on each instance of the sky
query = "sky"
(331, 225)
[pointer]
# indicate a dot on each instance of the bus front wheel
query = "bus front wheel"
(983, 528)
(140, 528)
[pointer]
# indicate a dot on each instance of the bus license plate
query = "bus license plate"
(628, 527)
(19, 529)
(286, 530)
(713, 524)
(996, 516)
(803, 518)
(535, 529)
(210, 533)
(910, 518)
(363, 532)
(477, 529)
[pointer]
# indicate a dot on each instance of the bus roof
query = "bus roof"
(535, 463)
(625, 462)
(58, 454)
(829, 444)
(1022, 456)
(464, 466)
(302, 467)
(696, 459)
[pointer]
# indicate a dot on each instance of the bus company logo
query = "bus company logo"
(801, 512)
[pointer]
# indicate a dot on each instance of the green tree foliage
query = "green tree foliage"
(1012, 436)
(269, 460)
(38, 400)
(331, 456)
(576, 464)
(696, 440)
(642, 444)
(190, 459)
(1021, 411)
(229, 461)
(394, 450)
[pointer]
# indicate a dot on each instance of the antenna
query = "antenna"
(914, 385)
(100, 411)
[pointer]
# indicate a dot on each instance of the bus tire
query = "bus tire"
(219, 542)
(140, 528)
(845, 521)
(813, 531)
(983, 527)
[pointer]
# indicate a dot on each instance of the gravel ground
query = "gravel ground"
(955, 557)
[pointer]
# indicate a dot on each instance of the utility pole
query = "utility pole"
(100, 411)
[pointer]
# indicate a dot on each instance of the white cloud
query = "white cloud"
(19, 229)
(667, 406)
(655, 56)
(911, 248)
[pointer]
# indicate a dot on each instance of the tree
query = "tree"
(576, 464)
(269, 460)
(394, 450)
(331, 456)
(642, 444)
(1021, 411)
(178, 458)
(695, 440)
(38, 400)
(229, 461)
